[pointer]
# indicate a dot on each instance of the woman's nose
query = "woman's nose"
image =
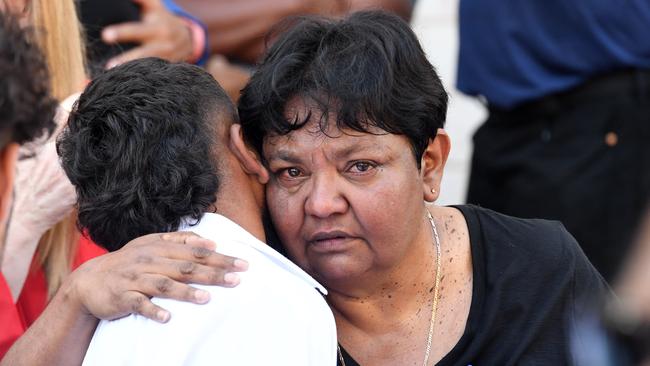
(325, 198)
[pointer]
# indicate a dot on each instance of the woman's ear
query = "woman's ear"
(433, 163)
(248, 158)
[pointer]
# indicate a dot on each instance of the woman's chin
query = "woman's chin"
(331, 270)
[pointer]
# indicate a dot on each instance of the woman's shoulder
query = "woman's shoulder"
(520, 264)
(546, 240)
(531, 252)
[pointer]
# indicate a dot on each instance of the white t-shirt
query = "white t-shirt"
(276, 316)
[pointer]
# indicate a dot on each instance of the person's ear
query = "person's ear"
(248, 158)
(433, 163)
(8, 158)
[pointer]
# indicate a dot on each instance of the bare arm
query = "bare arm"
(403, 8)
(120, 283)
(59, 336)
(237, 28)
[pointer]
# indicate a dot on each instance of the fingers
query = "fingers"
(187, 238)
(183, 257)
(191, 272)
(208, 258)
(164, 240)
(156, 285)
(160, 49)
(159, 33)
(186, 246)
(130, 32)
(137, 303)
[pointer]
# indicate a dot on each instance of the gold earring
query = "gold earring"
(433, 191)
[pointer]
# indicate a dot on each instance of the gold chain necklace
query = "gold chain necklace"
(436, 290)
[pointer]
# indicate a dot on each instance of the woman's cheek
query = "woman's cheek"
(279, 206)
(287, 219)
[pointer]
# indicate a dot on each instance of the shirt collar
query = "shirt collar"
(235, 232)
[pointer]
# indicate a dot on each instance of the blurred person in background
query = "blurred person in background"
(43, 244)
(237, 29)
(26, 112)
(629, 315)
(567, 87)
(616, 331)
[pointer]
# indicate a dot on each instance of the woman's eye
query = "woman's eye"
(289, 173)
(293, 172)
(361, 167)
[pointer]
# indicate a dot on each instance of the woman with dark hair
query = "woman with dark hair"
(348, 116)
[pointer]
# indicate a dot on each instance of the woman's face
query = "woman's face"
(344, 203)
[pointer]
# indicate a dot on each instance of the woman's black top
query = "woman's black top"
(531, 283)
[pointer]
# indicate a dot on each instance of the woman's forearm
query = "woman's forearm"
(237, 29)
(60, 336)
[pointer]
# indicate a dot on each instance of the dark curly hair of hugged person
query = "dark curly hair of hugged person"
(139, 148)
(26, 108)
(368, 69)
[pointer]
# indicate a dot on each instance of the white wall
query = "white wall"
(436, 24)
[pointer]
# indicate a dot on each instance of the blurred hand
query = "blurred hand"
(232, 78)
(633, 285)
(159, 33)
(120, 283)
(43, 196)
(237, 29)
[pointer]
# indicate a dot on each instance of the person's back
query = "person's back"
(275, 316)
(147, 150)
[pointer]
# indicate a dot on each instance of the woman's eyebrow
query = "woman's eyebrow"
(284, 155)
(367, 147)
(294, 157)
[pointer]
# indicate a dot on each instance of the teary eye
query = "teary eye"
(362, 166)
(293, 172)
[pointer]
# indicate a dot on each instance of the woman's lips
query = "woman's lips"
(332, 241)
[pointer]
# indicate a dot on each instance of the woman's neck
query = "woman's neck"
(369, 326)
(383, 300)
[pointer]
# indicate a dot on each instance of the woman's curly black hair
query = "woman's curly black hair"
(139, 148)
(368, 70)
(26, 107)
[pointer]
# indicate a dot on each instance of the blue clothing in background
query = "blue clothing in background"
(513, 51)
(176, 9)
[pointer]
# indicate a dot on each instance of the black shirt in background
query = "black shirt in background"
(531, 283)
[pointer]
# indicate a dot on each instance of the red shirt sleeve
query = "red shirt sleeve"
(15, 318)
(12, 323)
